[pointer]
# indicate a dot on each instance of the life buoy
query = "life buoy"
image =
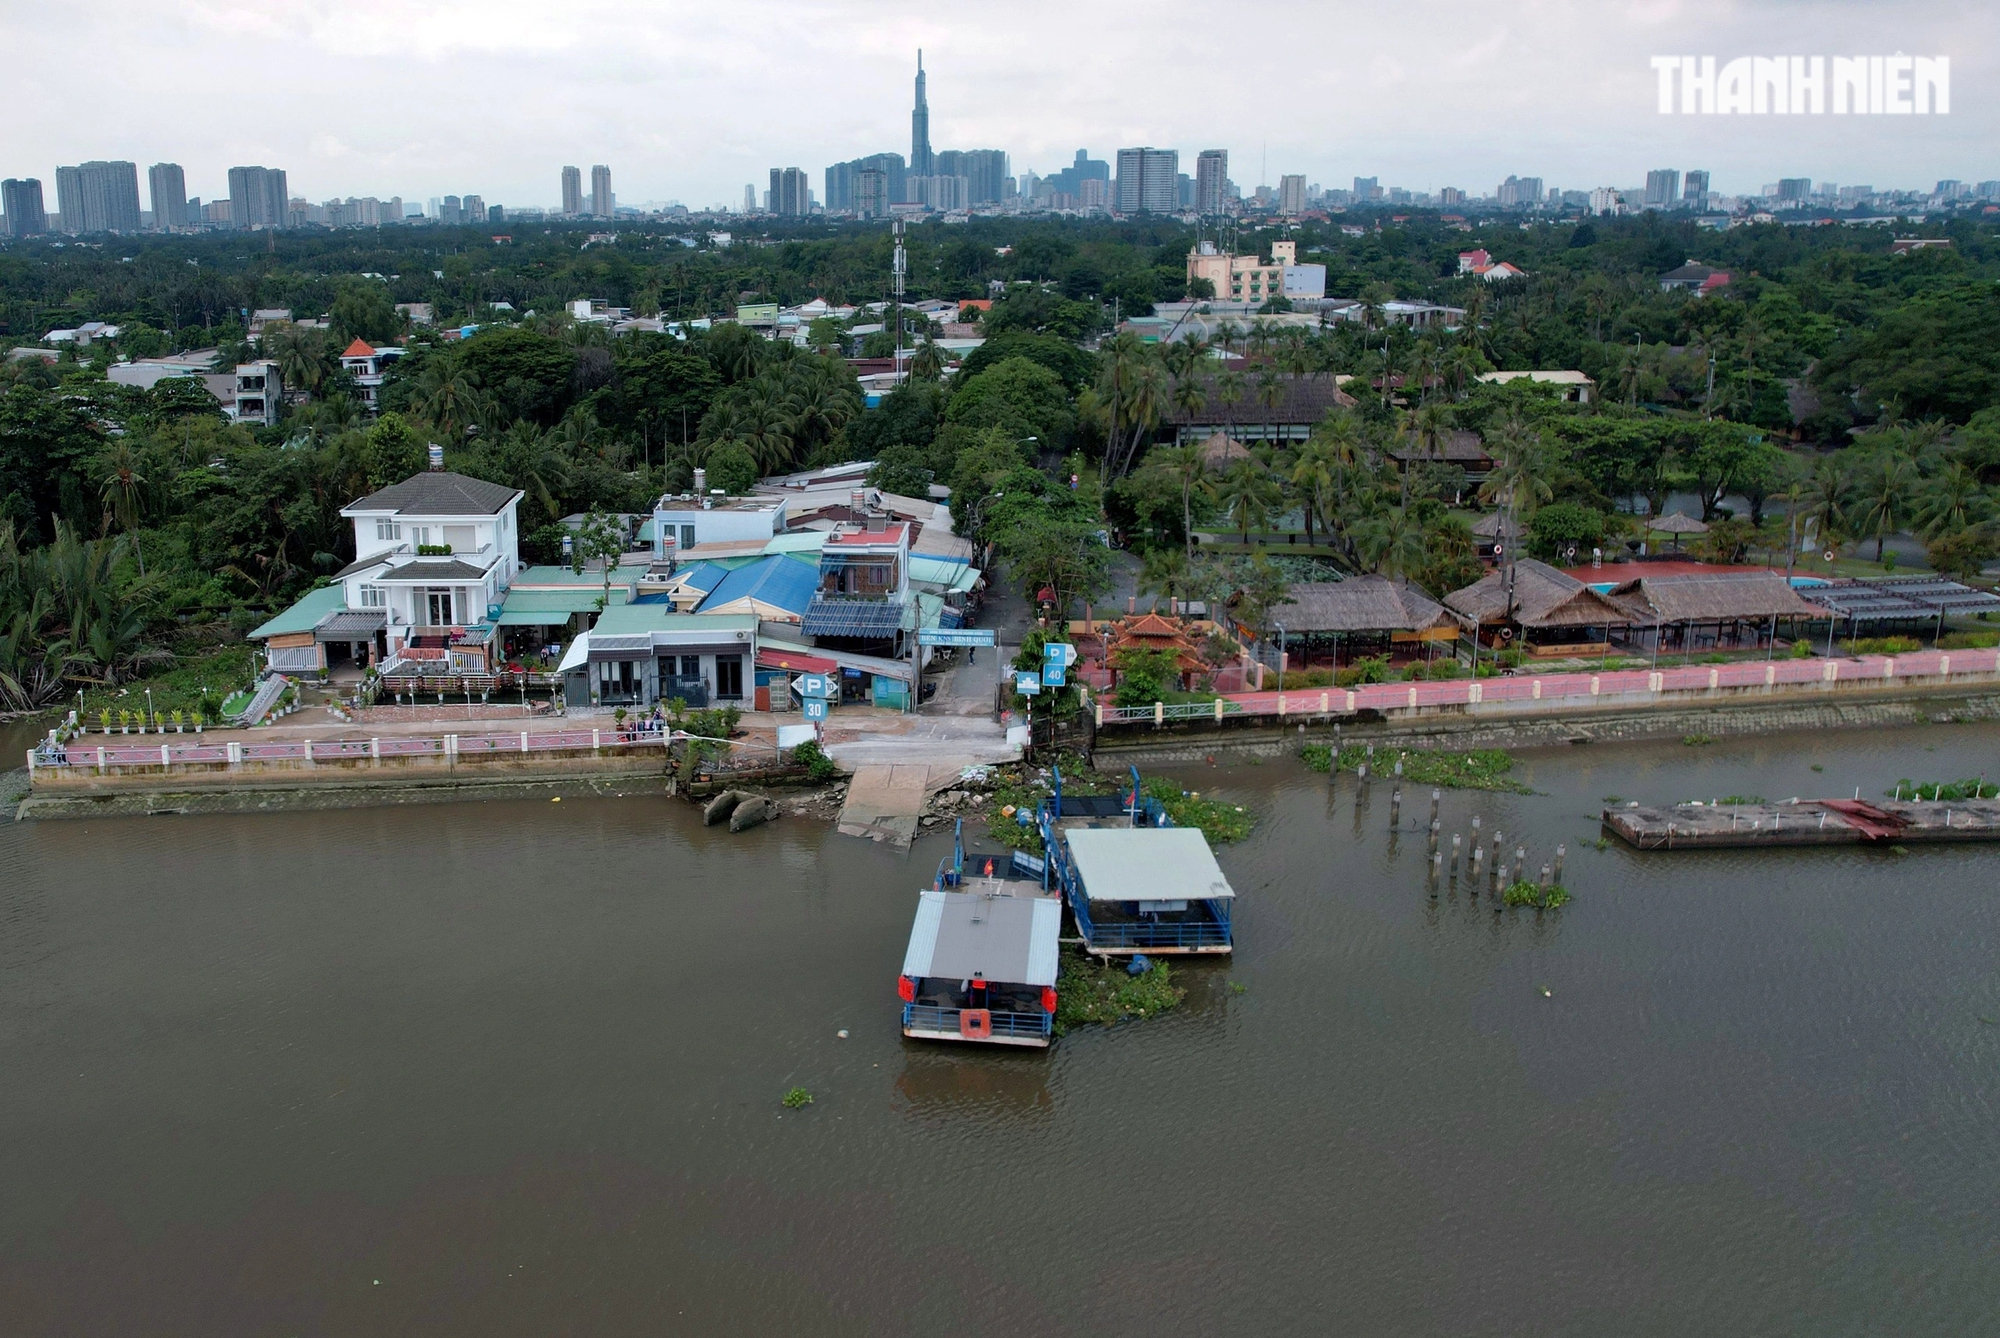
(975, 1024)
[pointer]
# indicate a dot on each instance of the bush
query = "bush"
(819, 767)
(1882, 645)
(1368, 669)
(1969, 640)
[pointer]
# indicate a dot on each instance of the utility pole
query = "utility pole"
(898, 268)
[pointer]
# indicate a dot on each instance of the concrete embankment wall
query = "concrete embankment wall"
(280, 783)
(1546, 724)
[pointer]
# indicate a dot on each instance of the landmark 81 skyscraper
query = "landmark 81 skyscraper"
(921, 162)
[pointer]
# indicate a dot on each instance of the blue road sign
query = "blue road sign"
(1054, 675)
(815, 708)
(1028, 684)
(1059, 653)
(955, 636)
(818, 685)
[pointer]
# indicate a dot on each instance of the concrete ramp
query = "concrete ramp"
(884, 801)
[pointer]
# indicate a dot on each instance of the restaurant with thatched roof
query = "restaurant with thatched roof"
(1530, 606)
(1695, 610)
(1364, 615)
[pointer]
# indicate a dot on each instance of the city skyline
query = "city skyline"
(1579, 113)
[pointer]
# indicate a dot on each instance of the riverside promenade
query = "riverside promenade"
(1525, 694)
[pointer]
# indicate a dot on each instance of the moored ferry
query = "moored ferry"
(982, 960)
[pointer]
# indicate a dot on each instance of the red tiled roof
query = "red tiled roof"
(795, 660)
(358, 349)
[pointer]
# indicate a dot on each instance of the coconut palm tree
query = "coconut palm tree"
(1884, 503)
(1392, 543)
(1519, 480)
(1165, 571)
(1951, 503)
(124, 492)
(1229, 389)
(1313, 479)
(445, 396)
(1187, 468)
(1249, 495)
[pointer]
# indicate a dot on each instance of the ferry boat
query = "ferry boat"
(1133, 881)
(982, 961)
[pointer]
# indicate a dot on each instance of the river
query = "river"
(515, 1068)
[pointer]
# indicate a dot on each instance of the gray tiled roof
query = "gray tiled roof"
(363, 564)
(434, 569)
(439, 494)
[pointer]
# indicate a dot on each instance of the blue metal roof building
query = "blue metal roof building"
(775, 588)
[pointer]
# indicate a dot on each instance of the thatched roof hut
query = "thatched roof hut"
(1499, 525)
(1712, 597)
(1543, 598)
(1365, 604)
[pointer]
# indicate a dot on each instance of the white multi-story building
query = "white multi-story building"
(435, 553)
(366, 366)
(260, 393)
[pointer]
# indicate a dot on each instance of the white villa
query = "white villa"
(436, 555)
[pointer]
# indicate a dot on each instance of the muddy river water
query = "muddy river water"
(514, 1068)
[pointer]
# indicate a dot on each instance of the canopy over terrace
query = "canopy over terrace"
(1700, 609)
(1909, 601)
(1551, 612)
(1362, 615)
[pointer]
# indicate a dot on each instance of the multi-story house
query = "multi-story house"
(435, 555)
(366, 365)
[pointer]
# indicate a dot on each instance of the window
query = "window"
(388, 531)
(687, 536)
(374, 597)
(420, 535)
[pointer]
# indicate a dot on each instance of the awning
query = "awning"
(548, 608)
(351, 625)
(795, 661)
(877, 619)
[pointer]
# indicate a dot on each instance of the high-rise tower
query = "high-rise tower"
(921, 163)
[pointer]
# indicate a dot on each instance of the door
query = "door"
(729, 677)
(438, 607)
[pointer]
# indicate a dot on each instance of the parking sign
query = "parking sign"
(815, 708)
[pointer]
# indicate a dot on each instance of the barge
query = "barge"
(982, 959)
(1804, 822)
(1134, 882)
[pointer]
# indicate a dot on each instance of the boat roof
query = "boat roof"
(1146, 864)
(1004, 939)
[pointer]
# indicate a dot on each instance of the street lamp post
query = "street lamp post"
(1281, 657)
(151, 719)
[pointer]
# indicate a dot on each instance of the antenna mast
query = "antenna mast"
(897, 269)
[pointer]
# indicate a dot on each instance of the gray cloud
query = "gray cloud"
(686, 101)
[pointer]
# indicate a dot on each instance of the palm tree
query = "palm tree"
(1187, 468)
(1149, 398)
(444, 396)
(1431, 431)
(1952, 503)
(1165, 571)
(1392, 543)
(302, 356)
(1229, 388)
(927, 364)
(1519, 478)
(1885, 500)
(1271, 393)
(124, 493)
(1313, 478)
(1249, 494)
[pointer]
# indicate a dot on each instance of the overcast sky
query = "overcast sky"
(691, 101)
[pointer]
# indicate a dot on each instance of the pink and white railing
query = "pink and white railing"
(1629, 687)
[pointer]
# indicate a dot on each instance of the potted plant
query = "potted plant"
(178, 718)
(618, 718)
(197, 719)
(104, 719)
(124, 721)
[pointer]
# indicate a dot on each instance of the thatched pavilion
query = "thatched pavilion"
(1364, 615)
(1540, 610)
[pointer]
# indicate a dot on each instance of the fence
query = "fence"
(1626, 687)
(81, 756)
(927, 1017)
